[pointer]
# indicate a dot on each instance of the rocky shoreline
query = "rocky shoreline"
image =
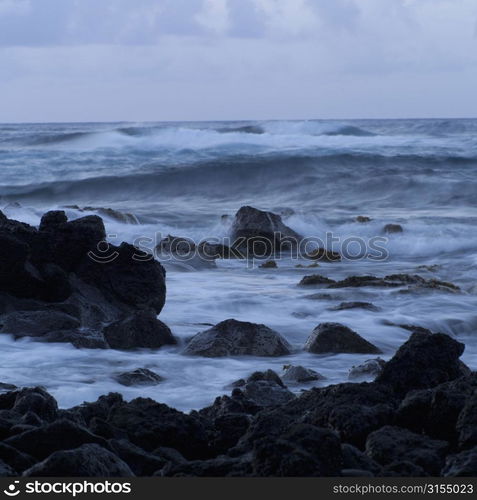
(57, 284)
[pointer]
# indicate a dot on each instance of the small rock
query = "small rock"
(315, 279)
(362, 219)
(463, 464)
(392, 228)
(355, 305)
(337, 338)
(270, 264)
(300, 374)
(141, 376)
(370, 369)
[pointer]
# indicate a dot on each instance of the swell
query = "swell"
(340, 180)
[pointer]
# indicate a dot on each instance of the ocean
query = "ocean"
(182, 178)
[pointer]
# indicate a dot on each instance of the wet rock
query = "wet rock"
(392, 229)
(424, 361)
(300, 374)
(314, 265)
(37, 323)
(355, 305)
(211, 250)
(324, 255)
(150, 425)
(140, 330)
(237, 338)
(370, 369)
(463, 464)
(262, 233)
(315, 279)
(59, 435)
(362, 219)
(337, 338)
(270, 264)
(36, 400)
(466, 425)
(51, 220)
(390, 444)
(266, 393)
(7, 387)
(88, 460)
(141, 376)
(140, 462)
(403, 468)
(302, 450)
(176, 245)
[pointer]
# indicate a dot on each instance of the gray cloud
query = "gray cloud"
(207, 59)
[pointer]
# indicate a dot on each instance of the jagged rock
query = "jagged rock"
(466, 425)
(176, 245)
(237, 338)
(424, 361)
(216, 467)
(141, 329)
(141, 376)
(363, 219)
(6, 470)
(463, 464)
(266, 393)
(390, 444)
(37, 323)
(355, 459)
(337, 338)
(315, 279)
(370, 369)
(17, 460)
(89, 460)
(262, 233)
(300, 374)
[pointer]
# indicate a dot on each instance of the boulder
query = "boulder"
(355, 305)
(370, 369)
(237, 338)
(89, 460)
(262, 233)
(337, 338)
(390, 444)
(141, 376)
(6, 470)
(266, 393)
(37, 323)
(424, 361)
(466, 425)
(363, 219)
(300, 374)
(140, 462)
(355, 459)
(269, 264)
(140, 330)
(15, 459)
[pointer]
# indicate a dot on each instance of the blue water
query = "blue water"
(180, 178)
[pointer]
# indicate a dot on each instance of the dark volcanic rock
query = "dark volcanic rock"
(216, 467)
(6, 470)
(302, 450)
(141, 329)
(59, 435)
(15, 459)
(37, 323)
(392, 228)
(370, 369)
(324, 255)
(390, 444)
(267, 393)
(466, 426)
(357, 460)
(149, 425)
(300, 374)
(315, 279)
(237, 338)
(262, 233)
(141, 376)
(335, 337)
(424, 361)
(461, 465)
(141, 462)
(89, 460)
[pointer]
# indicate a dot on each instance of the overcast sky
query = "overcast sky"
(109, 60)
